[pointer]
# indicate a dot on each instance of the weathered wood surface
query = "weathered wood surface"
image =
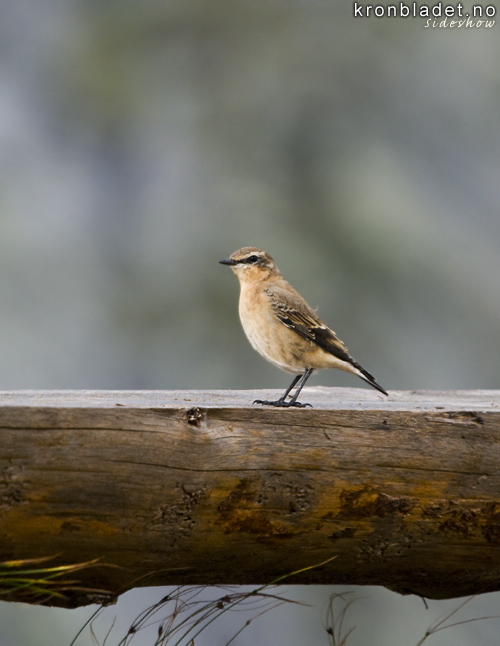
(186, 487)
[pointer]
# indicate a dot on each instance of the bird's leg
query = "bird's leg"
(281, 402)
(305, 377)
(290, 387)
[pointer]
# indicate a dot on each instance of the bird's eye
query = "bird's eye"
(253, 259)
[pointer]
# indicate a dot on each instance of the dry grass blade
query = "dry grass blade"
(19, 580)
(440, 624)
(242, 597)
(335, 622)
(182, 615)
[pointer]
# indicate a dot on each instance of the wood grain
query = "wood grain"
(184, 487)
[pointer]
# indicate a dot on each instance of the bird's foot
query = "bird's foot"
(280, 403)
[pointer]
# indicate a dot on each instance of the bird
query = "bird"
(283, 328)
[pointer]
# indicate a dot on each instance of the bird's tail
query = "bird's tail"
(370, 379)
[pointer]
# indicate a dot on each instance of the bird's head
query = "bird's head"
(251, 264)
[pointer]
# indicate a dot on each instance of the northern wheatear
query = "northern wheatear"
(283, 328)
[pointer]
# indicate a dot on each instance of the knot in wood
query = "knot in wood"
(194, 416)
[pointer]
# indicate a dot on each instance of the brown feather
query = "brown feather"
(307, 324)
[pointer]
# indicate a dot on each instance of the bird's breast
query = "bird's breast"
(267, 334)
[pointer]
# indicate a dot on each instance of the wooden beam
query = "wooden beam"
(199, 487)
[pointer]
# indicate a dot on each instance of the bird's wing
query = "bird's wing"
(296, 314)
(306, 324)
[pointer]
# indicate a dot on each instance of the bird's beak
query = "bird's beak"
(231, 263)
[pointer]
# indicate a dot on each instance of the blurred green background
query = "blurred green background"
(141, 142)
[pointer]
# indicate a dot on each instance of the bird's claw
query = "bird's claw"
(280, 403)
